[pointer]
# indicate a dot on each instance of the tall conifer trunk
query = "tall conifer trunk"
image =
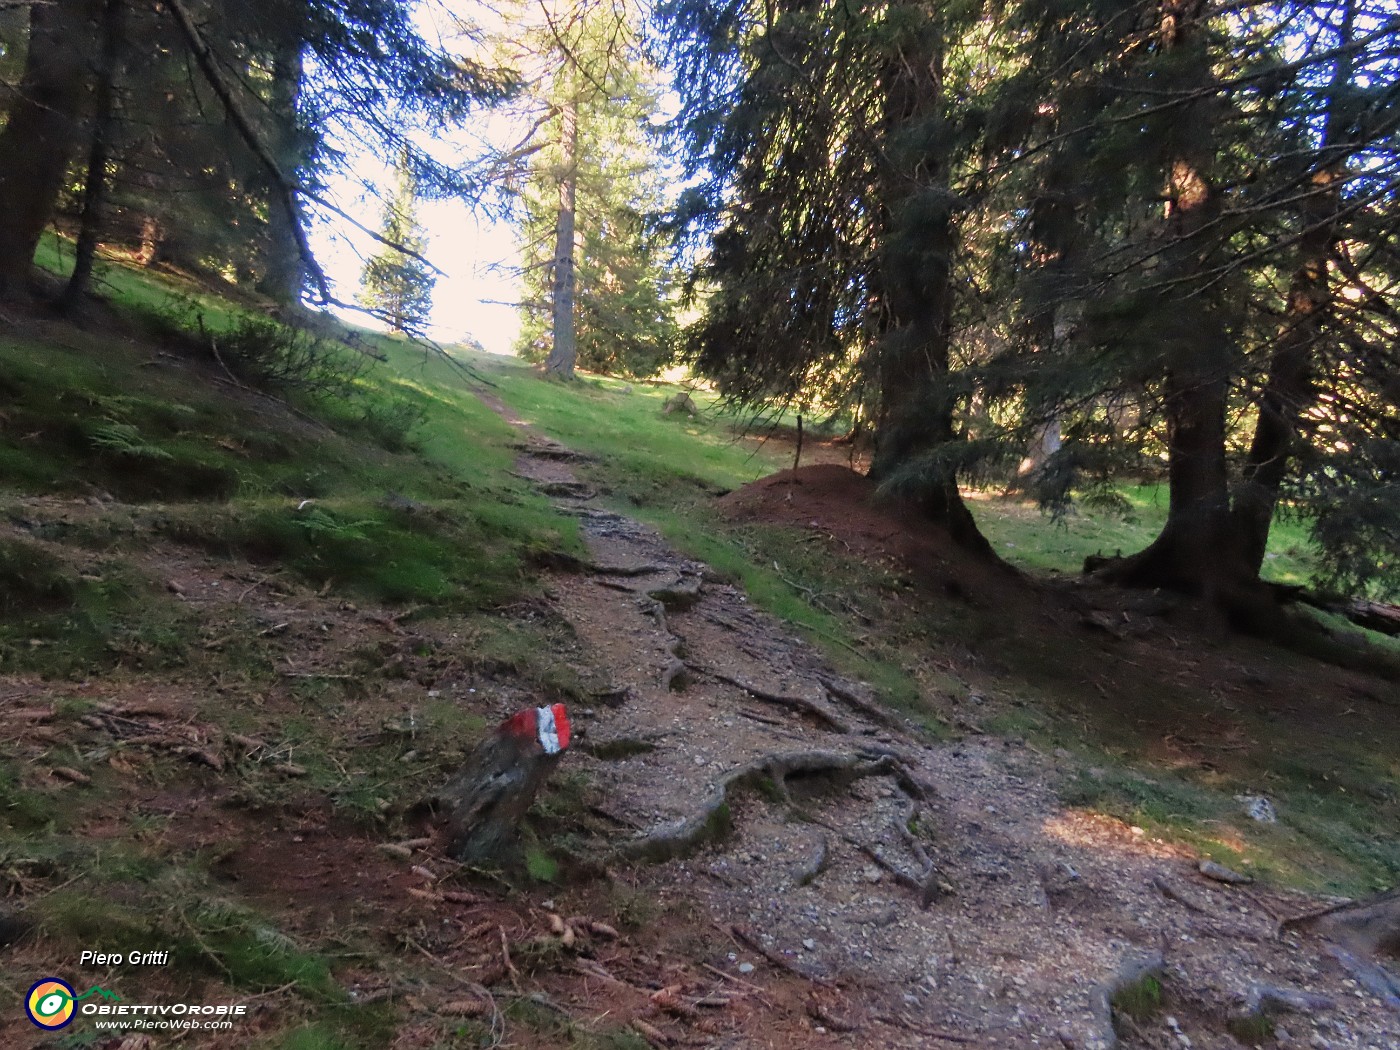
(284, 279)
(104, 123)
(919, 244)
(1288, 389)
(44, 130)
(564, 353)
(1194, 552)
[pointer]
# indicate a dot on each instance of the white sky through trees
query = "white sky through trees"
(476, 247)
(475, 296)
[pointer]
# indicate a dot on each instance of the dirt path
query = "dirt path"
(819, 859)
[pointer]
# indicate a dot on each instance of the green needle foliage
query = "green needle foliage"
(398, 287)
(593, 191)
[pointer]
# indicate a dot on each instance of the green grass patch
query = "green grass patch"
(1142, 1000)
(407, 500)
(651, 455)
(1252, 1029)
(108, 615)
(1032, 539)
(1324, 840)
(24, 810)
(144, 902)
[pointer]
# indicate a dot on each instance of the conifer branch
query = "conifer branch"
(288, 188)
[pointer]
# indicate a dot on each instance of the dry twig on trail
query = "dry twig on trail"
(748, 940)
(929, 1033)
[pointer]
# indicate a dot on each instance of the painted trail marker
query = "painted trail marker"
(486, 801)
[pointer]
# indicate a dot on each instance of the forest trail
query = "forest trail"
(783, 807)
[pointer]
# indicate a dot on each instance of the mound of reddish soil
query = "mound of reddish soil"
(836, 500)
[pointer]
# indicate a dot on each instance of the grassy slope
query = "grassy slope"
(124, 460)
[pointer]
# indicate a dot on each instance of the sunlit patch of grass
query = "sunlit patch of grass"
(653, 455)
(1028, 537)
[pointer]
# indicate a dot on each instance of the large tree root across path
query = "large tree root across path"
(943, 881)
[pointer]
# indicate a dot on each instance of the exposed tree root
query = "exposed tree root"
(713, 820)
(1381, 617)
(678, 596)
(1250, 607)
(673, 678)
(1370, 926)
(928, 887)
(847, 695)
(1362, 932)
(1372, 976)
(553, 451)
(566, 490)
(1217, 927)
(1135, 971)
(628, 570)
(814, 865)
(801, 704)
(820, 1013)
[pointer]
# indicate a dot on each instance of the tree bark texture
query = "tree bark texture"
(99, 152)
(284, 279)
(1194, 552)
(1288, 389)
(44, 130)
(920, 241)
(564, 353)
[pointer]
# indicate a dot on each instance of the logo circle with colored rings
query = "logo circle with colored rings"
(50, 1003)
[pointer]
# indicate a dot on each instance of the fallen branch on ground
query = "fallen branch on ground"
(776, 958)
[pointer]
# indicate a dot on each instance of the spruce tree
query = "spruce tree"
(598, 171)
(596, 290)
(43, 132)
(240, 111)
(1199, 231)
(395, 286)
(831, 149)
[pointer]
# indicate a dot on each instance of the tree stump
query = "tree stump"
(485, 803)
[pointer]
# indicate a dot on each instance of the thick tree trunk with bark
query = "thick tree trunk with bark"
(564, 353)
(44, 130)
(152, 239)
(1195, 552)
(920, 241)
(284, 279)
(1288, 389)
(104, 123)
